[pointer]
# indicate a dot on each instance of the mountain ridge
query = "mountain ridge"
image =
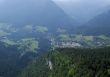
(37, 12)
(98, 25)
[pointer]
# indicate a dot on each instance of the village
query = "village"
(64, 44)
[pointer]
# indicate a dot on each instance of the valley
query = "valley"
(40, 38)
(34, 35)
(30, 42)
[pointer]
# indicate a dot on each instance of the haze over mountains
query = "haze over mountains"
(63, 13)
(37, 12)
(92, 15)
(83, 10)
(99, 25)
(62, 39)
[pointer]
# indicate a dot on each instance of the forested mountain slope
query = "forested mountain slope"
(71, 63)
(98, 25)
(35, 12)
(12, 61)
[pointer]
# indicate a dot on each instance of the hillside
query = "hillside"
(98, 25)
(83, 10)
(34, 12)
(71, 63)
(13, 58)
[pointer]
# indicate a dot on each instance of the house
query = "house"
(67, 44)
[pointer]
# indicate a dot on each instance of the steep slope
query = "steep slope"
(71, 63)
(98, 25)
(83, 10)
(8, 57)
(11, 61)
(36, 12)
